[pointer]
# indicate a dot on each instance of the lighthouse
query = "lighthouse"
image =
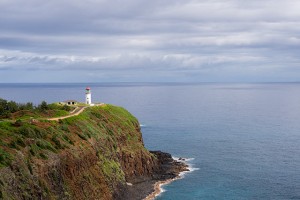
(88, 96)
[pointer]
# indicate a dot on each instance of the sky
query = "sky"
(149, 41)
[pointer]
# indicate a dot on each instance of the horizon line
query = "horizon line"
(157, 82)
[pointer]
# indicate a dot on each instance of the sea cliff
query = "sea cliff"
(98, 154)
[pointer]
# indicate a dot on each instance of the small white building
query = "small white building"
(69, 102)
(88, 96)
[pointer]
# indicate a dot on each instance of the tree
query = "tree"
(27, 106)
(12, 106)
(43, 106)
(18, 123)
(3, 104)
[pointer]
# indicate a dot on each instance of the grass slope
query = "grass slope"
(113, 128)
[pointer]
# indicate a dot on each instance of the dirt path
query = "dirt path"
(75, 112)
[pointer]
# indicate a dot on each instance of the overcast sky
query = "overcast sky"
(156, 40)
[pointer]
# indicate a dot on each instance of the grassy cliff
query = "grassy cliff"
(89, 156)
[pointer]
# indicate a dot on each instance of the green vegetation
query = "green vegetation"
(111, 169)
(13, 110)
(90, 148)
(5, 158)
(110, 124)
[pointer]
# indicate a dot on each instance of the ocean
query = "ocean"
(242, 140)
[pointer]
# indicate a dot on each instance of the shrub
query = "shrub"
(66, 108)
(66, 138)
(43, 156)
(27, 131)
(82, 136)
(39, 132)
(5, 158)
(32, 132)
(14, 145)
(57, 142)
(64, 127)
(20, 142)
(18, 123)
(43, 144)
(34, 149)
(112, 170)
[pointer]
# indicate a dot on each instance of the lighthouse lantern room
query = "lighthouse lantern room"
(88, 96)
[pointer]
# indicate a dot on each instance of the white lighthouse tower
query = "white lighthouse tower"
(88, 96)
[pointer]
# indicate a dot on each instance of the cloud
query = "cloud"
(178, 37)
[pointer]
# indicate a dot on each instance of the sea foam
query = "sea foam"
(181, 174)
(188, 162)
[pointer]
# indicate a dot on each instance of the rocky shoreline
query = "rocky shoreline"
(148, 188)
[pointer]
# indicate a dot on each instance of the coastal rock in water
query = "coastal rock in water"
(168, 167)
(165, 168)
(181, 159)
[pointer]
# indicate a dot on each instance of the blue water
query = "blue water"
(244, 138)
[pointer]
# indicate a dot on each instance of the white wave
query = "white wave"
(142, 125)
(182, 159)
(189, 159)
(162, 189)
(181, 174)
(193, 169)
(175, 158)
(188, 162)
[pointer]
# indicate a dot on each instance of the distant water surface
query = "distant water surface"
(244, 138)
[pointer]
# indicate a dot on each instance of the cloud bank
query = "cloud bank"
(139, 40)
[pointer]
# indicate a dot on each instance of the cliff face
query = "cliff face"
(94, 155)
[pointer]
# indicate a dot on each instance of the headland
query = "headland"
(95, 154)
